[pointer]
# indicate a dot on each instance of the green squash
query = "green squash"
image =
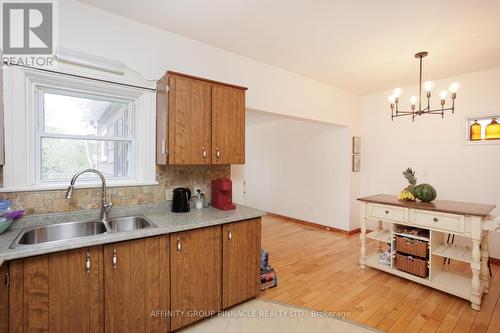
(425, 192)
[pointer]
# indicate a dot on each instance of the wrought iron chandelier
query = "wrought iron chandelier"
(427, 86)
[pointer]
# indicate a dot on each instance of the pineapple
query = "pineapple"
(410, 177)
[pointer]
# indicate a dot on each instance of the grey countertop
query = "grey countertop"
(166, 222)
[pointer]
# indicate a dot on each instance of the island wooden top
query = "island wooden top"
(445, 206)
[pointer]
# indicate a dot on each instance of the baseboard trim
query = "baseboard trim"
(494, 261)
(315, 225)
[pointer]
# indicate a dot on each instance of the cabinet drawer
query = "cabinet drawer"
(398, 214)
(441, 221)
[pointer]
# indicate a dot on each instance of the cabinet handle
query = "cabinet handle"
(114, 260)
(436, 219)
(387, 212)
(229, 234)
(87, 263)
(163, 147)
(179, 247)
(217, 152)
(203, 152)
(7, 280)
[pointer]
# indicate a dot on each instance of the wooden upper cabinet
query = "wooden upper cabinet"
(199, 121)
(240, 261)
(136, 285)
(189, 121)
(59, 292)
(228, 125)
(195, 261)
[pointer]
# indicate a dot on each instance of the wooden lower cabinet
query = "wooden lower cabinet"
(4, 298)
(196, 265)
(59, 292)
(241, 261)
(136, 285)
(154, 284)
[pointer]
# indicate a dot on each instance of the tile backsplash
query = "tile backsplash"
(169, 177)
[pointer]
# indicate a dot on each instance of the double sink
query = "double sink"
(74, 230)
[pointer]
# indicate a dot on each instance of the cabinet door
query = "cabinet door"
(200, 123)
(161, 121)
(136, 284)
(195, 261)
(228, 125)
(4, 298)
(241, 261)
(59, 292)
(178, 120)
(189, 121)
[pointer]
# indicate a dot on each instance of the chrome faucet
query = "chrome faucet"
(105, 205)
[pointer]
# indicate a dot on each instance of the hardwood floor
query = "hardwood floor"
(319, 270)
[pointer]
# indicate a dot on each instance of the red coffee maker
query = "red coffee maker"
(222, 194)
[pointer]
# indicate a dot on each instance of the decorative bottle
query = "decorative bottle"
(475, 131)
(493, 130)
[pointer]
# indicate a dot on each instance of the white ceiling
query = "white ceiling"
(362, 46)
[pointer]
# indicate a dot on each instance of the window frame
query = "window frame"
(40, 133)
(469, 121)
(21, 126)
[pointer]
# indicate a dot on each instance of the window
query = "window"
(80, 131)
(64, 124)
(476, 128)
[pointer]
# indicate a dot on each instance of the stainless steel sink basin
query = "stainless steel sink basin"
(73, 230)
(59, 232)
(129, 223)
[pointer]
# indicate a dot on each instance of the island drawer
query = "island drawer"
(385, 212)
(439, 221)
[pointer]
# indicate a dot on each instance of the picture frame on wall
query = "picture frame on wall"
(356, 163)
(356, 145)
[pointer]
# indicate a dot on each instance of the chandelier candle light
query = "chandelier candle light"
(427, 86)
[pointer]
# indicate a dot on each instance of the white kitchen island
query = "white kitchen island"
(440, 218)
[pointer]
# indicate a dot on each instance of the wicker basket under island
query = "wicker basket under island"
(412, 265)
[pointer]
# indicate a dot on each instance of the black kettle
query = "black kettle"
(180, 201)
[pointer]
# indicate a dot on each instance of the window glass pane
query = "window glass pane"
(62, 158)
(84, 116)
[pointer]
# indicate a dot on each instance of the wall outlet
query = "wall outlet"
(169, 194)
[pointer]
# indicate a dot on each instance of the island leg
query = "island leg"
(485, 255)
(475, 266)
(379, 230)
(362, 237)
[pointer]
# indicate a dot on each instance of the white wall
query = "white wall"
(434, 147)
(296, 168)
(152, 51)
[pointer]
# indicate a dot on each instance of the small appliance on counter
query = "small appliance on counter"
(222, 194)
(199, 199)
(180, 200)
